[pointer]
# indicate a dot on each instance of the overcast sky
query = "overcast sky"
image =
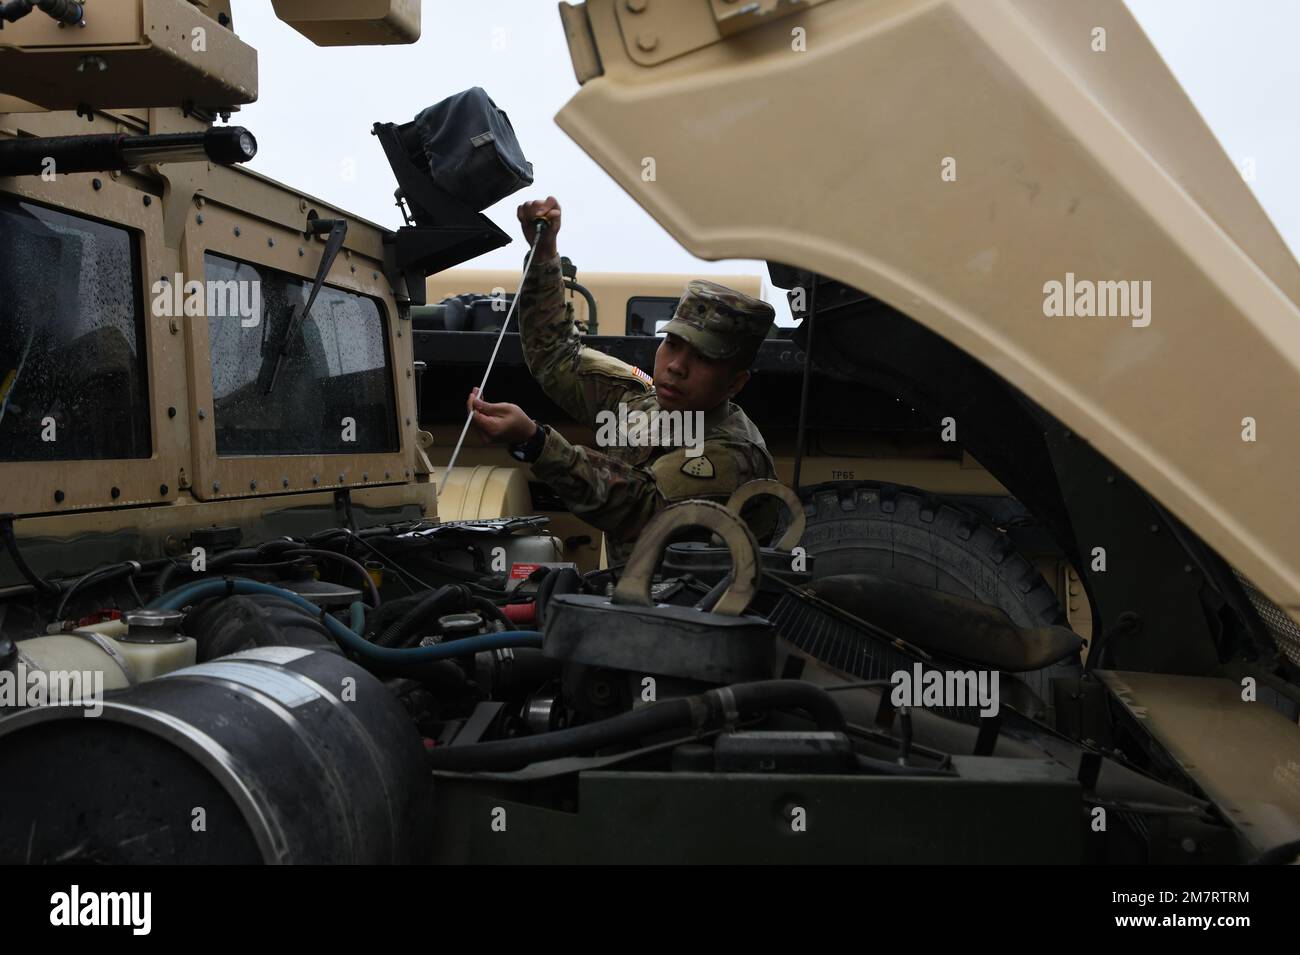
(1237, 59)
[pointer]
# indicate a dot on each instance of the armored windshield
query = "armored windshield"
(72, 362)
(332, 392)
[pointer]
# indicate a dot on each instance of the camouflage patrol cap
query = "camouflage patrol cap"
(720, 322)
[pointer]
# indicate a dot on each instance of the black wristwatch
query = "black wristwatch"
(528, 451)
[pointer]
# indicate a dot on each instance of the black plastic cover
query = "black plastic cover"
(472, 150)
(783, 752)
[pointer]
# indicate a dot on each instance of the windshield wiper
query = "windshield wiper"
(338, 230)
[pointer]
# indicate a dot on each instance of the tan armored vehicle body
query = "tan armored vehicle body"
(182, 212)
(1046, 443)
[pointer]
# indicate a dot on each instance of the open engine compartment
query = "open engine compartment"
(378, 695)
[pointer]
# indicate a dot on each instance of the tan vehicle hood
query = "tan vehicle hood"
(1068, 160)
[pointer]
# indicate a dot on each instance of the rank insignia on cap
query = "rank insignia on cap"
(700, 467)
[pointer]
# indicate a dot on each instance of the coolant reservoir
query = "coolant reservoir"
(80, 652)
(152, 644)
(147, 646)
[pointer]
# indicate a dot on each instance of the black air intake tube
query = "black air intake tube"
(703, 712)
(285, 767)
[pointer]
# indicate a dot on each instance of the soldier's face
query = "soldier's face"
(685, 380)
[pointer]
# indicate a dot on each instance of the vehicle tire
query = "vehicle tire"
(918, 537)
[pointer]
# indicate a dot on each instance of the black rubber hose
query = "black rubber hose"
(343, 559)
(528, 669)
(11, 545)
(99, 575)
(279, 545)
(280, 568)
(563, 581)
(703, 712)
(492, 610)
(162, 581)
(272, 548)
(332, 532)
(378, 620)
(412, 638)
(469, 578)
(715, 592)
(440, 600)
(150, 566)
(386, 560)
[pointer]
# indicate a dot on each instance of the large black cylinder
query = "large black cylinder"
(277, 754)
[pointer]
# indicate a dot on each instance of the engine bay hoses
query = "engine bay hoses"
(214, 563)
(348, 639)
(39, 583)
(702, 713)
(432, 604)
(367, 582)
(287, 548)
(126, 568)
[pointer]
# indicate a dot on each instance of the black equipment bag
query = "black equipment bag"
(472, 150)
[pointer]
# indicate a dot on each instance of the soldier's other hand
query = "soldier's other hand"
(548, 209)
(500, 422)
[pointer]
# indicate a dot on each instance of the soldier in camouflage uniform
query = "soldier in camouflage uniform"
(700, 366)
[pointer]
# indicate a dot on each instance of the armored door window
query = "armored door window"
(72, 338)
(285, 384)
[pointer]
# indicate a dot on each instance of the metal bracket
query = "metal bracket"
(109, 648)
(655, 31)
(343, 509)
(736, 15)
(766, 487)
(634, 588)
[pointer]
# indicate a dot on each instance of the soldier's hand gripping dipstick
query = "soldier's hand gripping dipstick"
(698, 443)
(538, 232)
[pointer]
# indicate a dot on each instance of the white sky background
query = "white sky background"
(1236, 59)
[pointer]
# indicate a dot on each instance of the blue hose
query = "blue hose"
(200, 590)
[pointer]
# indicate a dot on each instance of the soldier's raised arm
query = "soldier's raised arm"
(580, 380)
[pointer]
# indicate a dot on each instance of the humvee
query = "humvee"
(238, 621)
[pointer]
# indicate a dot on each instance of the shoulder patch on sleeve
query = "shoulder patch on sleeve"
(628, 377)
(700, 467)
(715, 474)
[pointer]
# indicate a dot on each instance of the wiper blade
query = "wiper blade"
(338, 230)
